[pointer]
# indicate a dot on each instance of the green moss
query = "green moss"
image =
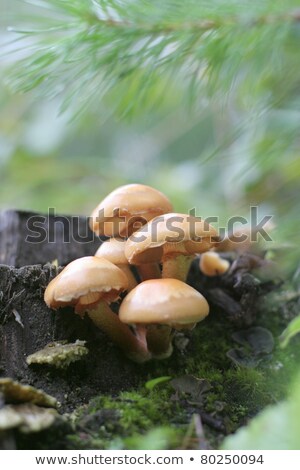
(137, 410)
(236, 394)
(131, 413)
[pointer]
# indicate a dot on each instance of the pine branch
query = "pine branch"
(197, 26)
(144, 52)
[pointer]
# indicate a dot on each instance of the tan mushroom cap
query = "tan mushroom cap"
(163, 301)
(84, 282)
(170, 235)
(113, 250)
(211, 264)
(126, 205)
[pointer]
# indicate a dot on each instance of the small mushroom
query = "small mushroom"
(160, 306)
(90, 284)
(211, 264)
(125, 208)
(172, 239)
(113, 251)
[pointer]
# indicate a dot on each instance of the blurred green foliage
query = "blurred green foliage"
(217, 157)
(292, 330)
(220, 150)
(276, 428)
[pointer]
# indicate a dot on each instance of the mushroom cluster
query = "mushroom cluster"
(142, 269)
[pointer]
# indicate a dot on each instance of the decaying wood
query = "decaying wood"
(27, 325)
(67, 238)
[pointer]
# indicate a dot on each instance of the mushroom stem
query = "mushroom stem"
(141, 332)
(108, 322)
(132, 282)
(159, 340)
(177, 267)
(149, 271)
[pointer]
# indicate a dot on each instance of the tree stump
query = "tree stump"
(27, 324)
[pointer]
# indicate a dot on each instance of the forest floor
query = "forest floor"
(220, 375)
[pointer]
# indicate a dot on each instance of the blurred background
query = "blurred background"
(219, 152)
(219, 160)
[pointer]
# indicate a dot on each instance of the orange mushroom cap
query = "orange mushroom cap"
(113, 250)
(126, 206)
(211, 264)
(163, 301)
(84, 283)
(169, 235)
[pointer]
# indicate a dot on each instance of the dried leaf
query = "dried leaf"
(259, 340)
(240, 357)
(191, 386)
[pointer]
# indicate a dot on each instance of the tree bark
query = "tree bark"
(27, 324)
(27, 238)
